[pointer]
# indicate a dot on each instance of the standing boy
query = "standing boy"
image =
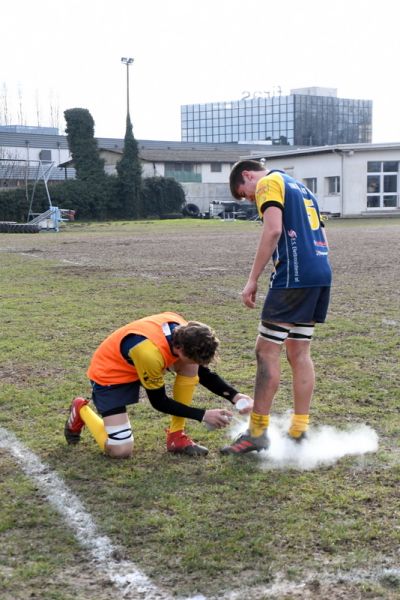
(298, 297)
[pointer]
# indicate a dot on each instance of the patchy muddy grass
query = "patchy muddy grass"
(205, 526)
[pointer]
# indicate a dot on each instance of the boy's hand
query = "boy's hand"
(243, 403)
(249, 294)
(217, 417)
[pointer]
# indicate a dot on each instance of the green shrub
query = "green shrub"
(14, 203)
(162, 195)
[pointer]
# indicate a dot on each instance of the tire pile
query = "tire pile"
(9, 227)
(191, 210)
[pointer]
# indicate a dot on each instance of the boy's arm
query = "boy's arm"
(160, 401)
(217, 385)
(150, 368)
(271, 232)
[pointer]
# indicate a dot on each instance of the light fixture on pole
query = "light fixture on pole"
(127, 61)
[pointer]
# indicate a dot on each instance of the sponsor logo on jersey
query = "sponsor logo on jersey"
(263, 188)
(293, 244)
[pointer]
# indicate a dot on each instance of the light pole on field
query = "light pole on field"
(127, 61)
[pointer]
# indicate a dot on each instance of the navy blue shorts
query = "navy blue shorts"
(296, 305)
(108, 398)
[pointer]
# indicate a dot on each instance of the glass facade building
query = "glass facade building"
(305, 117)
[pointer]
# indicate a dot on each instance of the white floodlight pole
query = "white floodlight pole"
(127, 61)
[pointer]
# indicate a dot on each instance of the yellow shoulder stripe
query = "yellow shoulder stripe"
(270, 188)
(149, 364)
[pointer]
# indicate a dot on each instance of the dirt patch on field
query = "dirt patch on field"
(134, 253)
(199, 252)
(23, 374)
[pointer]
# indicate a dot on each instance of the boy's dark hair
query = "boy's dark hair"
(236, 177)
(197, 341)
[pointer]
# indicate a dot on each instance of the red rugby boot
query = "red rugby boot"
(180, 443)
(74, 423)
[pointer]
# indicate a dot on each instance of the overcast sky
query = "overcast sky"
(60, 55)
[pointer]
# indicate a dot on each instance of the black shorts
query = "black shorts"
(296, 305)
(108, 398)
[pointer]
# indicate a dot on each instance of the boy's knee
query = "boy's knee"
(298, 352)
(267, 353)
(119, 451)
(120, 440)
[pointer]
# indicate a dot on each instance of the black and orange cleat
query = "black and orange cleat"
(245, 443)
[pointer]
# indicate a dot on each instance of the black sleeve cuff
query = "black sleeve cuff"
(160, 401)
(270, 203)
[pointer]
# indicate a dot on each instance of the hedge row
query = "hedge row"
(91, 201)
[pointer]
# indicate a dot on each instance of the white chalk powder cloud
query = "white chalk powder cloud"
(324, 446)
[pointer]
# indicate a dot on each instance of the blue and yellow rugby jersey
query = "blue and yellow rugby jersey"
(301, 256)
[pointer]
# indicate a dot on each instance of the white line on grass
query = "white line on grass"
(131, 581)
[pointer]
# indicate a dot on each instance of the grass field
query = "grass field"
(219, 527)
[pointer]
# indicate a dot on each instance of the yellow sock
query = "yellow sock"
(183, 393)
(258, 424)
(298, 425)
(95, 425)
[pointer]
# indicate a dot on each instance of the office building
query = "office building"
(306, 117)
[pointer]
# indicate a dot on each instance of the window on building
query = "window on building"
(332, 185)
(391, 166)
(311, 184)
(373, 184)
(390, 183)
(390, 201)
(383, 184)
(184, 171)
(215, 167)
(373, 202)
(45, 155)
(374, 166)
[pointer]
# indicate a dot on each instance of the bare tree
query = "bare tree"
(21, 120)
(6, 116)
(38, 109)
(54, 110)
(11, 169)
(4, 112)
(8, 154)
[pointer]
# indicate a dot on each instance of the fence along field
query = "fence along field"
(215, 527)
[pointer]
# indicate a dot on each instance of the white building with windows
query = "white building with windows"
(349, 179)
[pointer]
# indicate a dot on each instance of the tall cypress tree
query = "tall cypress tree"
(83, 146)
(91, 181)
(129, 172)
